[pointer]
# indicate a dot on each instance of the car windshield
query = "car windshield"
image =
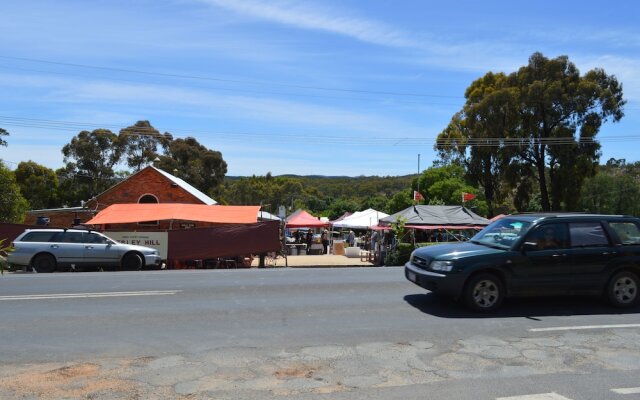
(502, 233)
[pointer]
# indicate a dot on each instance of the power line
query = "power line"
(259, 92)
(237, 81)
(72, 126)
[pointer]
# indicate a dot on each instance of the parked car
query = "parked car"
(536, 255)
(48, 250)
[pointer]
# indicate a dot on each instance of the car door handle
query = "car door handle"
(608, 253)
(88, 247)
(559, 255)
(54, 246)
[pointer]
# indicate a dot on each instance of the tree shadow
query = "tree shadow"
(531, 307)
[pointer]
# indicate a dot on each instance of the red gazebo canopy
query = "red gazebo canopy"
(302, 219)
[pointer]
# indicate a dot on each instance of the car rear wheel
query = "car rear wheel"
(132, 261)
(44, 263)
(623, 289)
(484, 293)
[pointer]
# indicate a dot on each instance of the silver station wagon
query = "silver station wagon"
(49, 250)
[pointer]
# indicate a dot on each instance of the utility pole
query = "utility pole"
(418, 190)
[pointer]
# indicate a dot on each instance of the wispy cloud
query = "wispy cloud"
(297, 115)
(115, 98)
(625, 69)
(317, 18)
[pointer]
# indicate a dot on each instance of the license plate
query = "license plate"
(411, 276)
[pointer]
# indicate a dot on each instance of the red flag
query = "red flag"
(467, 196)
(417, 196)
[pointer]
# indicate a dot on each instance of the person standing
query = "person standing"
(374, 241)
(352, 238)
(309, 240)
(325, 241)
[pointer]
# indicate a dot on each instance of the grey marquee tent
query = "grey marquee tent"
(437, 217)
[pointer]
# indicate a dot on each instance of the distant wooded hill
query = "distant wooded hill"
(329, 196)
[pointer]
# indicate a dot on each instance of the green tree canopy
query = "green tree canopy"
(94, 155)
(399, 201)
(3, 133)
(538, 122)
(38, 184)
(13, 207)
(615, 189)
(444, 185)
(339, 207)
(189, 160)
(489, 112)
(141, 142)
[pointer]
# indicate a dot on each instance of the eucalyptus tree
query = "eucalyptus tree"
(13, 206)
(38, 184)
(189, 160)
(141, 143)
(93, 155)
(475, 137)
(541, 122)
(3, 133)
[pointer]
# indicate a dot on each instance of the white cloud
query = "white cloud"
(624, 68)
(298, 115)
(303, 15)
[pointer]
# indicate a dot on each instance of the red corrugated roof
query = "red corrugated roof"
(128, 213)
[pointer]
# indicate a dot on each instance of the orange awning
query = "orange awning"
(128, 213)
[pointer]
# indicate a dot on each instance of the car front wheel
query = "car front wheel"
(44, 263)
(623, 289)
(132, 261)
(484, 293)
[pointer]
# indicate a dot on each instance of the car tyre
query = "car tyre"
(484, 293)
(132, 261)
(622, 289)
(44, 263)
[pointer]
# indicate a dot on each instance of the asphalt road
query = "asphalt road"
(300, 333)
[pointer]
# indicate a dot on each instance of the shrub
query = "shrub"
(401, 254)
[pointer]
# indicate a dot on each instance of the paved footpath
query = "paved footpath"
(319, 261)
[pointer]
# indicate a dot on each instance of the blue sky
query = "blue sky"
(287, 86)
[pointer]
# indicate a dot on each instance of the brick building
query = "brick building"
(149, 185)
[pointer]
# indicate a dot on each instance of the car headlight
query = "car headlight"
(444, 266)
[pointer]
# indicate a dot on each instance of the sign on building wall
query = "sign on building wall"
(155, 240)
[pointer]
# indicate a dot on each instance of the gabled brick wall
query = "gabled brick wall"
(146, 181)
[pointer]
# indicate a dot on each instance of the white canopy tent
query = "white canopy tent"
(361, 219)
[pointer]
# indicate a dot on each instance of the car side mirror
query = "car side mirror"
(529, 246)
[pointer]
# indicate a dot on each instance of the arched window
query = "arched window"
(148, 199)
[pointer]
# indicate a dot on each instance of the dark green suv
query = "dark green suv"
(533, 255)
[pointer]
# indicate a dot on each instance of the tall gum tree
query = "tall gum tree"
(489, 113)
(189, 160)
(38, 184)
(141, 142)
(94, 155)
(551, 116)
(3, 133)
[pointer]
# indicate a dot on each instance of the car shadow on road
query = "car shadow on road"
(444, 307)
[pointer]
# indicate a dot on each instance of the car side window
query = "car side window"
(95, 238)
(72, 237)
(38, 237)
(628, 232)
(549, 237)
(587, 234)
